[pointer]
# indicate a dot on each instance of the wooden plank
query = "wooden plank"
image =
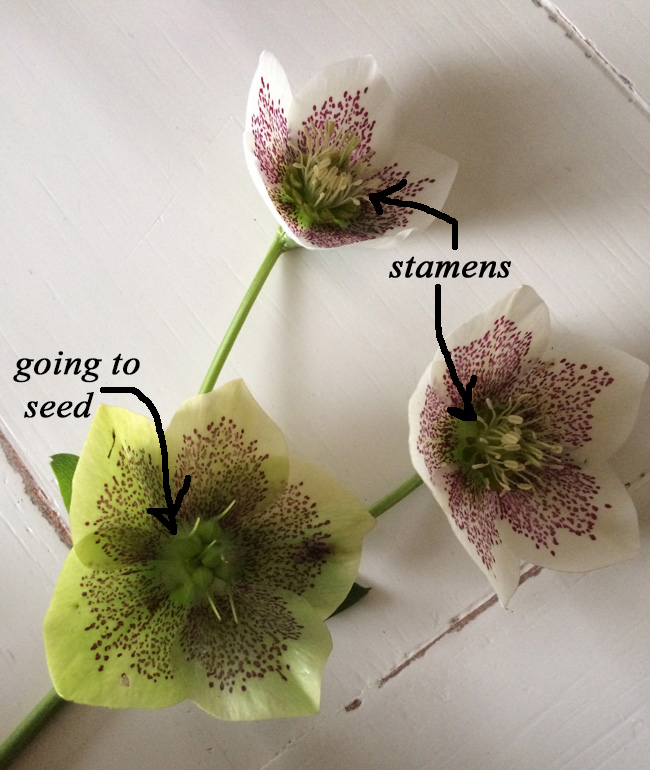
(131, 227)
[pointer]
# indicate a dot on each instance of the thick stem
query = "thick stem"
(394, 497)
(37, 718)
(281, 243)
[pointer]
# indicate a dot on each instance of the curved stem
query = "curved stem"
(394, 497)
(37, 718)
(281, 243)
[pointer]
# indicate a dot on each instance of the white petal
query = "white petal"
(267, 127)
(270, 71)
(494, 346)
(474, 523)
(356, 97)
(429, 176)
(394, 238)
(585, 520)
(415, 409)
(428, 418)
(593, 393)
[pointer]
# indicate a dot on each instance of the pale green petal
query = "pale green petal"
(118, 475)
(112, 548)
(108, 638)
(231, 449)
(269, 664)
(308, 541)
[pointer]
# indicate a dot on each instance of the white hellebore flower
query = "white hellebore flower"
(316, 157)
(528, 479)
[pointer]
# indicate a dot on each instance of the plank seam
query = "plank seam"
(456, 624)
(591, 51)
(34, 492)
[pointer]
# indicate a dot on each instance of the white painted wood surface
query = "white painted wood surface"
(129, 225)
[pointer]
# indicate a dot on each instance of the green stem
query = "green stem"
(281, 243)
(394, 497)
(37, 718)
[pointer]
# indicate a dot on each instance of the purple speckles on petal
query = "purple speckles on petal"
(565, 392)
(233, 654)
(475, 514)
(270, 135)
(225, 465)
(125, 532)
(436, 434)
(496, 359)
(567, 500)
(348, 115)
(133, 619)
(287, 544)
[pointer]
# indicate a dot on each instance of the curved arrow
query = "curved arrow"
(377, 198)
(467, 413)
(173, 506)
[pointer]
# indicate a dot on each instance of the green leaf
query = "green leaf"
(356, 592)
(64, 466)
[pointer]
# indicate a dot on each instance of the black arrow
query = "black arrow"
(467, 413)
(166, 516)
(377, 198)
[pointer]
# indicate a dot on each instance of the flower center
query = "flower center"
(504, 448)
(199, 563)
(320, 181)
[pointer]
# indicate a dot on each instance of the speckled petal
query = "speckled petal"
(231, 449)
(108, 638)
(590, 394)
(473, 518)
(583, 519)
(270, 664)
(429, 177)
(356, 97)
(267, 128)
(110, 548)
(308, 541)
(430, 435)
(494, 346)
(118, 475)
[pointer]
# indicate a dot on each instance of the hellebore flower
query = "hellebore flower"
(229, 611)
(315, 157)
(528, 479)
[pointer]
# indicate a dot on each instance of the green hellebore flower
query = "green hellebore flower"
(229, 611)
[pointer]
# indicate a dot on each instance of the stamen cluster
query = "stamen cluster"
(505, 447)
(198, 564)
(320, 180)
